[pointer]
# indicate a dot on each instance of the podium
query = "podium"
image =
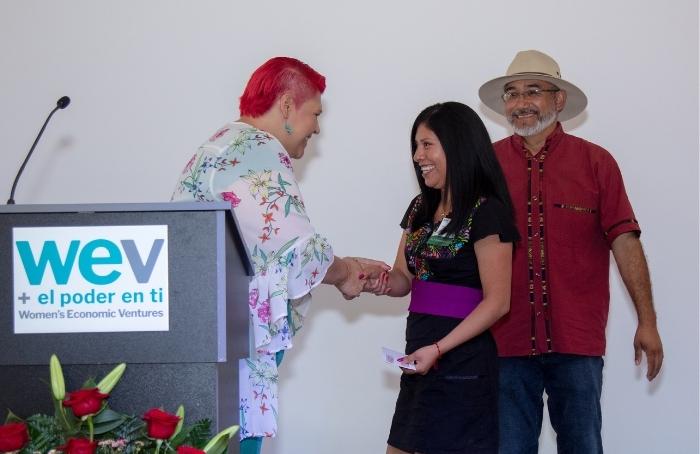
(190, 359)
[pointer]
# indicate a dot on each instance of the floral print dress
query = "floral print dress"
(251, 170)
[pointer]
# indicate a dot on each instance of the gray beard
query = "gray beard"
(543, 122)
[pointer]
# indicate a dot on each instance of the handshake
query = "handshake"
(362, 275)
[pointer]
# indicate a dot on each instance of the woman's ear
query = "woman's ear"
(285, 104)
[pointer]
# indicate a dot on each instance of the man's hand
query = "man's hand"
(647, 339)
(634, 271)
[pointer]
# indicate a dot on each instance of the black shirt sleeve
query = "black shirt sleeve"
(405, 222)
(493, 218)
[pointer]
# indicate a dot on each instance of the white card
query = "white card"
(442, 226)
(393, 357)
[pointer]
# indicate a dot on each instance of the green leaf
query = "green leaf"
(287, 206)
(219, 443)
(285, 246)
(107, 426)
(180, 437)
(181, 414)
(11, 417)
(44, 432)
(107, 415)
(131, 429)
(197, 434)
(89, 383)
(66, 419)
(282, 182)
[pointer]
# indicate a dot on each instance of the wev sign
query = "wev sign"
(90, 279)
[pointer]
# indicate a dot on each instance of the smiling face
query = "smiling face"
(530, 112)
(430, 157)
(303, 121)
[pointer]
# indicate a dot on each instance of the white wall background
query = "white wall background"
(151, 80)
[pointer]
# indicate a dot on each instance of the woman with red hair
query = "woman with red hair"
(247, 163)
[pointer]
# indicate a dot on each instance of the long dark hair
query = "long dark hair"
(472, 168)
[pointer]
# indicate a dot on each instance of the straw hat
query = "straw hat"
(532, 64)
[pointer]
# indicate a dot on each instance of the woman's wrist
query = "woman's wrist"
(344, 279)
(437, 346)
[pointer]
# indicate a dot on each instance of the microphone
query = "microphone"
(62, 103)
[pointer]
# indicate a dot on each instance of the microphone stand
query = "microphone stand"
(61, 104)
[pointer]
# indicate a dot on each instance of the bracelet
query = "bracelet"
(435, 366)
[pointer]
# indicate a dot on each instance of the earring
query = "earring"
(288, 128)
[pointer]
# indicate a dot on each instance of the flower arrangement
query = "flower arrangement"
(91, 427)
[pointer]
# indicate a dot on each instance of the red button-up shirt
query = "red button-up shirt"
(570, 204)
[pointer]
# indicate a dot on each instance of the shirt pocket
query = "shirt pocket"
(573, 224)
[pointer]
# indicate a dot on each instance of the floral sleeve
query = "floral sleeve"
(252, 171)
(289, 257)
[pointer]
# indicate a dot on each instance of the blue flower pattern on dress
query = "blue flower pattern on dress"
(252, 171)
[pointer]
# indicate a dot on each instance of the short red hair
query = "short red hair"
(273, 78)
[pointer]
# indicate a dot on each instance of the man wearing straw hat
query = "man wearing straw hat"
(571, 209)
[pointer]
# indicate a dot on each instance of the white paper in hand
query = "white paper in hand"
(392, 357)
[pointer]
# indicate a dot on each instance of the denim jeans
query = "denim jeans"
(573, 384)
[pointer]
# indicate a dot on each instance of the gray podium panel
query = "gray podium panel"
(193, 363)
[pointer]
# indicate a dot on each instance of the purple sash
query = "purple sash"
(443, 299)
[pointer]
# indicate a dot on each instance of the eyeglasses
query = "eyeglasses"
(529, 94)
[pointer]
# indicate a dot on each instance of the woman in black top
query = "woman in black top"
(455, 259)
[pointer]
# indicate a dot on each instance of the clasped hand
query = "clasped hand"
(363, 275)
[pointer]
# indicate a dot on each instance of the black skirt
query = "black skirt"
(453, 408)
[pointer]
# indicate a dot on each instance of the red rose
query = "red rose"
(161, 425)
(79, 446)
(85, 401)
(188, 450)
(13, 436)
